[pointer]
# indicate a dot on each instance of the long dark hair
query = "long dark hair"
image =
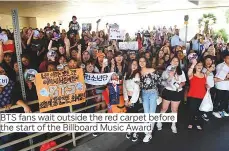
(147, 63)
(178, 68)
(198, 61)
(131, 74)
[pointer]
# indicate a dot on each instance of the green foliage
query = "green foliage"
(223, 33)
(206, 20)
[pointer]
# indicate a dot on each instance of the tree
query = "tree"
(206, 21)
(223, 33)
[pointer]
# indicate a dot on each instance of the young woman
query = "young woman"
(131, 91)
(166, 50)
(118, 66)
(174, 81)
(149, 80)
(196, 93)
(158, 61)
(183, 60)
(209, 68)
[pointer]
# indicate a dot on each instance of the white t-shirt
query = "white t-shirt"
(171, 84)
(210, 78)
(223, 85)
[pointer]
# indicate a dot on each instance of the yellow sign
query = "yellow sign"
(186, 22)
(59, 89)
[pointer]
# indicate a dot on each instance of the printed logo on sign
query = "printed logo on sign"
(4, 80)
(44, 92)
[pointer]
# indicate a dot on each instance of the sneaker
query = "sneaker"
(135, 137)
(147, 138)
(128, 135)
(174, 128)
(217, 114)
(159, 126)
(95, 134)
(205, 117)
(224, 114)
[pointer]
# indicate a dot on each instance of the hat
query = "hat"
(100, 54)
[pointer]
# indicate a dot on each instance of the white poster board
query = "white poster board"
(128, 45)
(116, 34)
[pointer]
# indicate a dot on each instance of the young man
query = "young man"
(222, 88)
(74, 26)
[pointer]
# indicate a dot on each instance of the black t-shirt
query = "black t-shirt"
(37, 45)
(47, 28)
(75, 27)
(55, 28)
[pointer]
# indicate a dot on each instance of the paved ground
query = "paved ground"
(214, 137)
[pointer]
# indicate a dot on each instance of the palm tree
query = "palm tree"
(206, 21)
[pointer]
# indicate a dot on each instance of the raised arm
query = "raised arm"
(30, 38)
(67, 44)
(50, 45)
(1, 52)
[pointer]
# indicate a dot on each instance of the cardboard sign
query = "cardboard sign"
(4, 80)
(97, 79)
(60, 89)
(116, 34)
(86, 26)
(128, 45)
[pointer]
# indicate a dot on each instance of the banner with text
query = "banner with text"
(116, 34)
(128, 45)
(97, 79)
(59, 89)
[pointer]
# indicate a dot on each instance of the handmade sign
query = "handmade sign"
(116, 34)
(59, 89)
(4, 80)
(97, 79)
(128, 45)
(86, 26)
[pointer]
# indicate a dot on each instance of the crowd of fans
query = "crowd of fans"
(160, 67)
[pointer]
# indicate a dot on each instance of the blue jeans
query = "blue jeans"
(149, 99)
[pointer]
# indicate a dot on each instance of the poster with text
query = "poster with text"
(59, 89)
(116, 34)
(128, 45)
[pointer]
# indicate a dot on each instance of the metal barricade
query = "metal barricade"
(71, 139)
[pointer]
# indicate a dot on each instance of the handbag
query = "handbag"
(206, 105)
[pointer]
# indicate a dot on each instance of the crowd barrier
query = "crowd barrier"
(72, 139)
